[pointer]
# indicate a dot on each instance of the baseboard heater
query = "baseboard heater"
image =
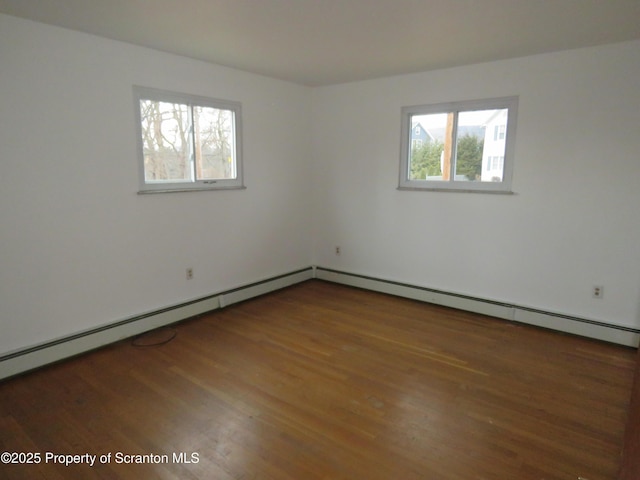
(23, 360)
(555, 321)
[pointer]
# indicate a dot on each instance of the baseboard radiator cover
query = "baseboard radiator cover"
(26, 359)
(555, 321)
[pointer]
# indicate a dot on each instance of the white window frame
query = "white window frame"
(453, 185)
(146, 93)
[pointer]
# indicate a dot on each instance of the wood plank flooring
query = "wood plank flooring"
(630, 464)
(321, 381)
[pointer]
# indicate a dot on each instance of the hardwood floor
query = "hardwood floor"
(321, 381)
(630, 464)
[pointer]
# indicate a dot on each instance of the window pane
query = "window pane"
(470, 137)
(215, 155)
(480, 145)
(165, 141)
(426, 159)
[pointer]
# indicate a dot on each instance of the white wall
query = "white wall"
(78, 247)
(572, 223)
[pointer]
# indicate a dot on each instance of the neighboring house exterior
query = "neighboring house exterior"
(420, 136)
(495, 137)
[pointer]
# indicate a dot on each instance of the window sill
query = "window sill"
(457, 190)
(198, 189)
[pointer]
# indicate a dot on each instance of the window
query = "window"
(495, 163)
(187, 142)
(470, 146)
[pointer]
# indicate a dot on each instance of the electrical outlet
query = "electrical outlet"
(189, 273)
(598, 291)
(337, 250)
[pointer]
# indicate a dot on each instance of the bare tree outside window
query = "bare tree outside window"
(165, 144)
(213, 141)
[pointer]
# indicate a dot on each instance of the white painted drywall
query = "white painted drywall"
(78, 247)
(572, 223)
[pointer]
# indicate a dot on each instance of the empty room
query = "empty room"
(300, 239)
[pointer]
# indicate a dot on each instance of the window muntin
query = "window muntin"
(469, 146)
(187, 142)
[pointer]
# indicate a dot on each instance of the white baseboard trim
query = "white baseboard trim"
(554, 321)
(25, 359)
(260, 288)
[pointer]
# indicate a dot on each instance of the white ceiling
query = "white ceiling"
(322, 42)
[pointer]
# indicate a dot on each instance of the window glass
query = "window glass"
(214, 143)
(165, 142)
